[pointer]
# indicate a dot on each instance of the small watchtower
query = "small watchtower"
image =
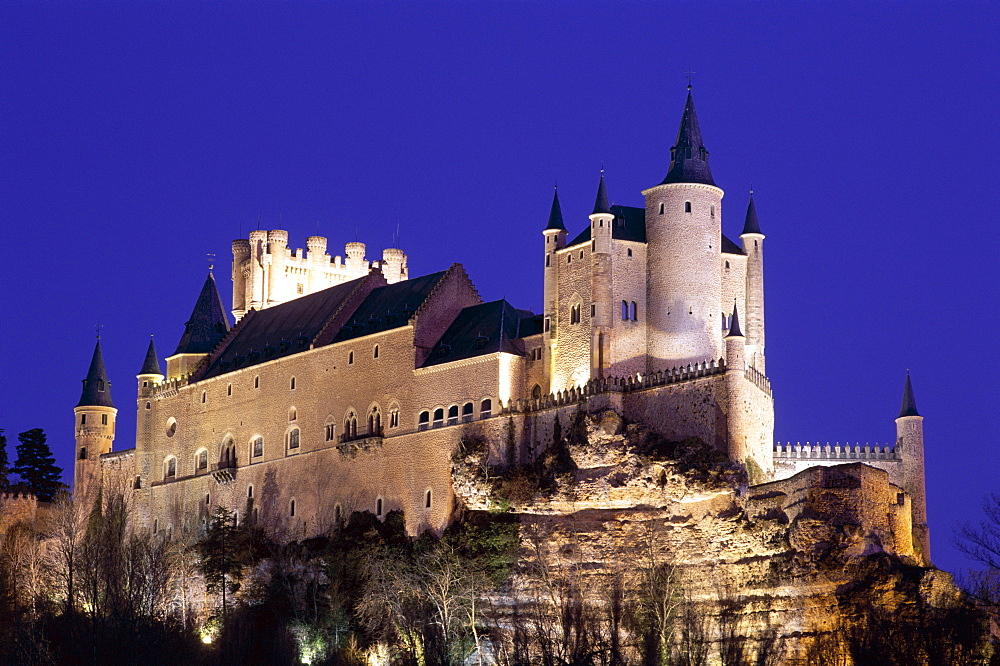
(95, 428)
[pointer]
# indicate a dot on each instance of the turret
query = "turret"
(277, 247)
(95, 428)
(149, 376)
(601, 281)
(753, 245)
(683, 231)
(317, 260)
(356, 258)
(735, 390)
(258, 281)
(202, 332)
(241, 253)
(910, 447)
(393, 265)
(555, 239)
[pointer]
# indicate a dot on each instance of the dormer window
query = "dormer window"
(100, 384)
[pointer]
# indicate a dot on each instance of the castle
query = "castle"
(347, 384)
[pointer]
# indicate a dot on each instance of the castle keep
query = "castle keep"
(346, 384)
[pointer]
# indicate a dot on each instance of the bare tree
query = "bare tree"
(982, 542)
(67, 525)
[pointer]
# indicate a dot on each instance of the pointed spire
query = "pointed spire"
(208, 323)
(601, 206)
(688, 157)
(751, 226)
(555, 215)
(909, 407)
(96, 387)
(151, 364)
(734, 325)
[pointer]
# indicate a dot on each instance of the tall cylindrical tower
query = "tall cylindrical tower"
(241, 252)
(318, 261)
(277, 245)
(95, 429)
(393, 260)
(910, 447)
(555, 239)
(600, 282)
(753, 245)
(684, 232)
(258, 248)
(356, 258)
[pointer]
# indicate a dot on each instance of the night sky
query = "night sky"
(135, 138)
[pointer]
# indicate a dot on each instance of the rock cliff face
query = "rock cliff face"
(787, 569)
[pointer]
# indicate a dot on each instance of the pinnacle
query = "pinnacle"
(909, 407)
(751, 226)
(151, 364)
(734, 327)
(96, 387)
(688, 156)
(555, 215)
(601, 205)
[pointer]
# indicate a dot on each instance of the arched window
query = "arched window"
(624, 310)
(378, 507)
(423, 420)
(632, 313)
(574, 314)
(292, 414)
(293, 439)
(427, 500)
(148, 406)
(466, 412)
(453, 415)
(329, 432)
(170, 468)
(687, 206)
(438, 417)
(171, 426)
(375, 421)
(350, 425)
(393, 416)
(486, 409)
(201, 461)
(536, 391)
(257, 447)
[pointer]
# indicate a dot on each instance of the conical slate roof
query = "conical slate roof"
(688, 157)
(151, 364)
(601, 205)
(751, 226)
(96, 387)
(555, 215)
(208, 323)
(909, 407)
(734, 326)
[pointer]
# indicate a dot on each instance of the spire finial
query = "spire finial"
(211, 261)
(689, 75)
(751, 189)
(97, 327)
(909, 406)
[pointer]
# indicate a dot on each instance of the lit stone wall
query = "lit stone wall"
(734, 286)
(695, 408)
(571, 355)
(628, 338)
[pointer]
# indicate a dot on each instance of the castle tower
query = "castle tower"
(277, 245)
(910, 446)
(241, 252)
(683, 231)
(555, 239)
(202, 332)
(753, 245)
(316, 259)
(149, 376)
(258, 281)
(735, 389)
(356, 257)
(601, 282)
(95, 428)
(393, 265)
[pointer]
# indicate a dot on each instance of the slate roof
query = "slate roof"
(909, 407)
(734, 326)
(151, 364)
(688, 157)
(601, 204)
(629, 224)
(729, 247)
(389, 307)
(282, 330)
(751, 226)
(555, 215)
(96, 387)
(483, 329)
(208, 323)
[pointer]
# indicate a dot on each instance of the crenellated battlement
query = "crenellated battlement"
(836, 451)
(17, 497)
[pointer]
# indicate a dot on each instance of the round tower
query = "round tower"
(735, 392)
(241, 253)
(910, 447)
(356, 258)
(684, 231)
(393, 260)
(555, 239)
(317, 260)
(258, 283)
(95, 417)
(753, 245)
(601, 282)
(277, 245)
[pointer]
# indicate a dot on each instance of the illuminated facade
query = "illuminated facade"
(347, 385)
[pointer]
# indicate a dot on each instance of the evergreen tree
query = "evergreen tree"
(223, 555)
(4, 482)
(37, 466)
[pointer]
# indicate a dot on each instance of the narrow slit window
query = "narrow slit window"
(427, 500)
(687, 206)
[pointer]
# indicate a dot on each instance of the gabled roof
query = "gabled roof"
(483, 329)
(389, 307)
(629, 224)
(151, 364)
(688, 157)
(208, 323)
(729, 247)
(282, 330)
(96, 387)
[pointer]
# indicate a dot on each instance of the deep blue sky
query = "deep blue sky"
(137, 137)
